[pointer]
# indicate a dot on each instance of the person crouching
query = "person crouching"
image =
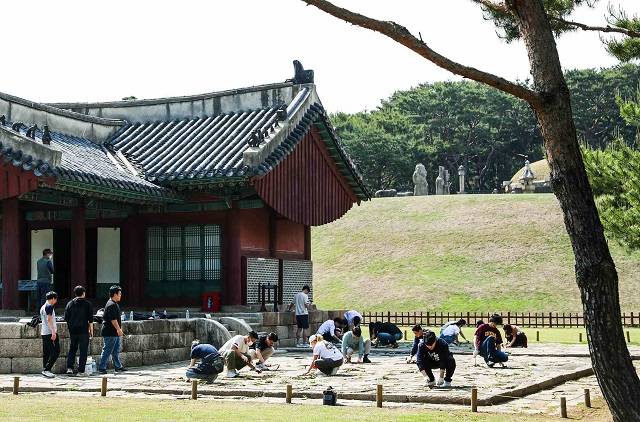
(433, 353)
(326, 356)
(353, 342)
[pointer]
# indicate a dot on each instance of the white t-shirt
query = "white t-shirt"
(349, 315)
(327, 327)
(238, 341)
(327, 350)
(451, 330)
(301, 300)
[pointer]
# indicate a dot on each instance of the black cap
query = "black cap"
(429, 337)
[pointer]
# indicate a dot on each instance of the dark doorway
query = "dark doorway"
(62, 262)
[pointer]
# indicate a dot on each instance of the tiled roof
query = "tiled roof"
(85, 166)
(198, 148)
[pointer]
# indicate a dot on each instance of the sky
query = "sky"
(102, 51)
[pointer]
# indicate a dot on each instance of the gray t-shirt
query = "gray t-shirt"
(45, 311)
(301, 300)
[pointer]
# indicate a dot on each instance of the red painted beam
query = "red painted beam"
(13, 238)
(78, 249)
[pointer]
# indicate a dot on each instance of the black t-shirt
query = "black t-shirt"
(111, 312)
(261, 344)
(78, 314)
(440, 353)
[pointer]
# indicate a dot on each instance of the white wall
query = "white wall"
(40, 240)
(108, 255)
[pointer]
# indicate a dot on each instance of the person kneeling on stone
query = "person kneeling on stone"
(206, 362)
(326, 356)
(352, 342)
(488, 342)
(384, 334)
(262, 350)
(515, 336)
(451, 330)
(434, 353)
(330, 330)
(236, 353)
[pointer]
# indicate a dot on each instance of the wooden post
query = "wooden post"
(405, 335)
(16, 385)
(289, 393)
(537, 335)
(474, 399)
(580, 337)
(103, 388)
(194, 389)
(628, 337)
(587, 397)
(563, 407)
(379, 395)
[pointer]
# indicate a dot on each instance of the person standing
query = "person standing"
(112, 331)
(44, 268)
(49, 334)
(301, 303)
(79, 317)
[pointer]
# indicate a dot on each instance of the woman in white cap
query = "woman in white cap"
(326, 356)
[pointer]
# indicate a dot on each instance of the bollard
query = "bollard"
(563, 407)
(580, 337)
(405, 335)
(628, 337)
(379, 395)
(194, 389)
(289, 393)
(587, 397)
(103, 388)
(474, 399)
(16, 385)
(537, 335)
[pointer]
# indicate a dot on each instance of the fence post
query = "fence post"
(550, 320)
(103, 387)
(428, 319)
(508, 317)
(563, 407)
(580, 337)
(16, 385)
(289, 393)
(474, 399)
(587, 397)
(537, 336)
(194, 389)
(379, 395)
(628, 337)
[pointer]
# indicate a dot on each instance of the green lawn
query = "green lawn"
(38, 407)
(459, 253)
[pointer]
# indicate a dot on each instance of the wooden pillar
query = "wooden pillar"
(133, 259)
(232, 286)
(13, 240)
(78, 249)
(307, 243)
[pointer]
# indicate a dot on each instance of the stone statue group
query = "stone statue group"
(443, 183)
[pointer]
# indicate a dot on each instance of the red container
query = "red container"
(211, 302)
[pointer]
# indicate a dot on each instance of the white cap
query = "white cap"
(313, 338)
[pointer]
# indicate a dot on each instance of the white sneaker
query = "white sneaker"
(446, 384)
(47, 374)
(232, 374)
(440, 382)
(430, 384)
(490, 364)
(299, 344)
(69, 371)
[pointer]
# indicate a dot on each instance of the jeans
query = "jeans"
(490, 352)
(428, 365)
(50, 351)
(44, 287)
(78, 341)
(386, 338)
(111, 348)
(449, 339)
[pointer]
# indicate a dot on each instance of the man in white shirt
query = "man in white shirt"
(330, 330)
(451, 330)
(353, 318)
(301, 303)
(236, 353)
(49, 334)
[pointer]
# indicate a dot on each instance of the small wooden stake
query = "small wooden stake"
(587, 397)
(580, 337)
(537, 335)
(474, 399)
(379, 395)
(103, 388)
(563, 407)
(16, 385)
(194, 389)
(289, 393)
(628, 337)
(405, 335)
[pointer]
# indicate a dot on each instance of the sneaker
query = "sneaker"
(82, 374)
(300, 344)
(395, 345)
(430, 384)
(490, 364)
(262, 367)
(69, 372)
(440, 382)
(366, 360)
(232, 374)
(102, 371)
(446, 384)
(121, 369)
(47, 374)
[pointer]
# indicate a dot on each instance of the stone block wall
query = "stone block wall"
(143, 343)
(284, 324)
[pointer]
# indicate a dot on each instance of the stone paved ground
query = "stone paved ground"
(389, 368)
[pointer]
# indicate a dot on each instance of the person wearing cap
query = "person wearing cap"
(262, 350)
(352, 342)
(451, 330)
(488, 342)
(236, 353)
(433, 353)
(326, 356)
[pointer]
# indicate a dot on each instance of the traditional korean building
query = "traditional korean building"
(176, 199)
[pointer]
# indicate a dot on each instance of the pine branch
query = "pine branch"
(402, 35)
(496, 7)
(628, 32)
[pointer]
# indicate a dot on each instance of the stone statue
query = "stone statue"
(462, 172)
(440, 181)
(447, 182)
(421, 187)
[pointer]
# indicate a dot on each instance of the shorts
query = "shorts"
(302, 321)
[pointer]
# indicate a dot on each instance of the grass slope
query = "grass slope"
(455, 253)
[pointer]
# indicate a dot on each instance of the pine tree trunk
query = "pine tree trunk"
(595, 270)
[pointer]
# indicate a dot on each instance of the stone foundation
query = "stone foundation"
(144, 343)
(284, 324)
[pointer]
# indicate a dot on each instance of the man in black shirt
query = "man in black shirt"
(384, 334)
(434, 353)
(111, 331)
(262, 350)
(79, 317)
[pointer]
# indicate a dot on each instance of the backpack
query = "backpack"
(211, 364)
(34, 321)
